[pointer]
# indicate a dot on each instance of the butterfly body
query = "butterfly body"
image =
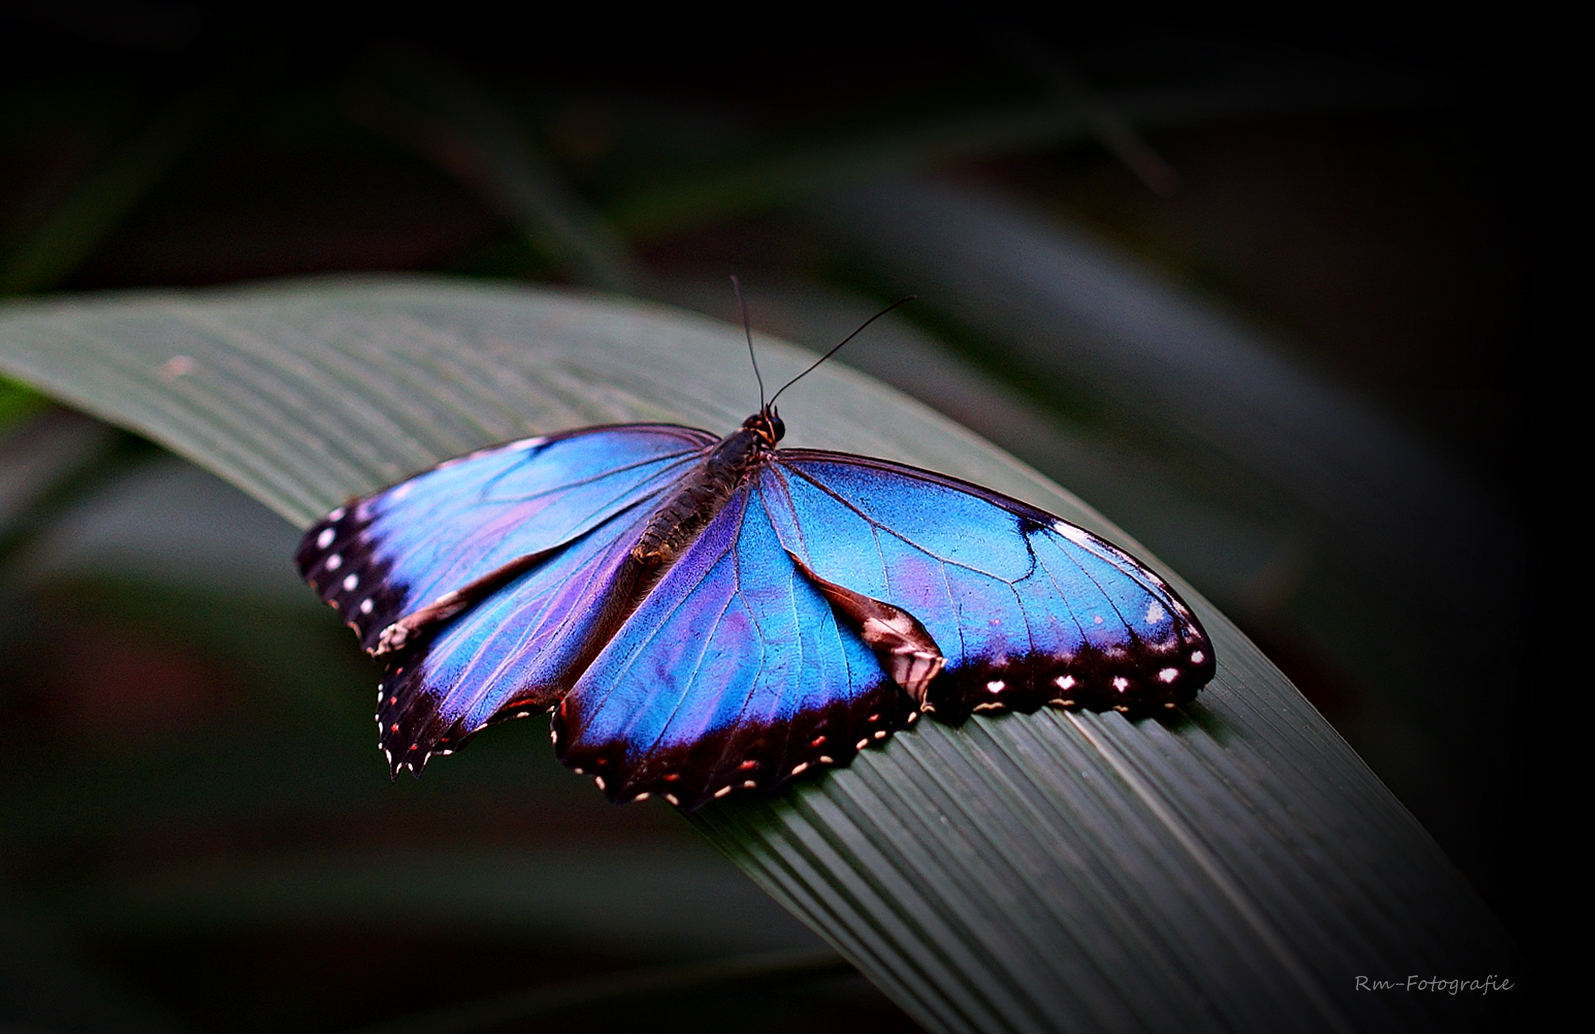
(703, 615)
(706, 489)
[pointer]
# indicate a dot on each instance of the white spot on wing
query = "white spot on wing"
(350, 581)
(1168, 674)
(1079, 536)
(1064, 681)
(995, 686)
(334, 562)
(366, 606)
(1121, 684)
(325, 538)
(1197, 657)
(1155, 612)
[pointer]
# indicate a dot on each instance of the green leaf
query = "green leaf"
(1238, 868)
(16, 402)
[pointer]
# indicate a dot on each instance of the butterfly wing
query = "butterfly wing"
(575, 499)
(1026, 608)
(382, 556)
(733, 672)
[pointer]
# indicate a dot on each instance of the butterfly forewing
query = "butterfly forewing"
(1026, 608)
(382, 556)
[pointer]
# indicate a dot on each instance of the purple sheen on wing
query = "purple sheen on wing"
(460, 520)
(511, 652)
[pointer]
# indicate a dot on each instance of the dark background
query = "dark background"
(194, 832)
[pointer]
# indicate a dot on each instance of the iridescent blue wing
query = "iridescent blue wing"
(568, 503)
(1026, 608)
(832, 596)
(734, 672)
(382, 556)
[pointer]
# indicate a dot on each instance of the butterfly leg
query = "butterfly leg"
(907, 652)
(409, 629)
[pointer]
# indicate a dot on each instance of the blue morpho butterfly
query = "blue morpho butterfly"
(703, 614)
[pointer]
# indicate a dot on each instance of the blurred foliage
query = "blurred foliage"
(161, 721)
(16, 402)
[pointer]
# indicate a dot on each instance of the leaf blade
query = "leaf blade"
(1234, 870)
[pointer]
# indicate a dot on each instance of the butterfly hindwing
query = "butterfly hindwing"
(735, 672)
(513, 654)
(1026, 609)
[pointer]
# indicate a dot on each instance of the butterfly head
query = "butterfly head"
(767, 424)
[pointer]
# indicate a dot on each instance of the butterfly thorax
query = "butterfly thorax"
(677, 523)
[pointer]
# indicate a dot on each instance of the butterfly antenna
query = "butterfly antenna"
(839, 344)
(747, 328)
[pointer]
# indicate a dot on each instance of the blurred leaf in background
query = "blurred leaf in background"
(1261, 297)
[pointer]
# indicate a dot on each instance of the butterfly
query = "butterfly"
(705, 614)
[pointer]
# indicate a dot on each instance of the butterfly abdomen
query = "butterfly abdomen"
(676, 523)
